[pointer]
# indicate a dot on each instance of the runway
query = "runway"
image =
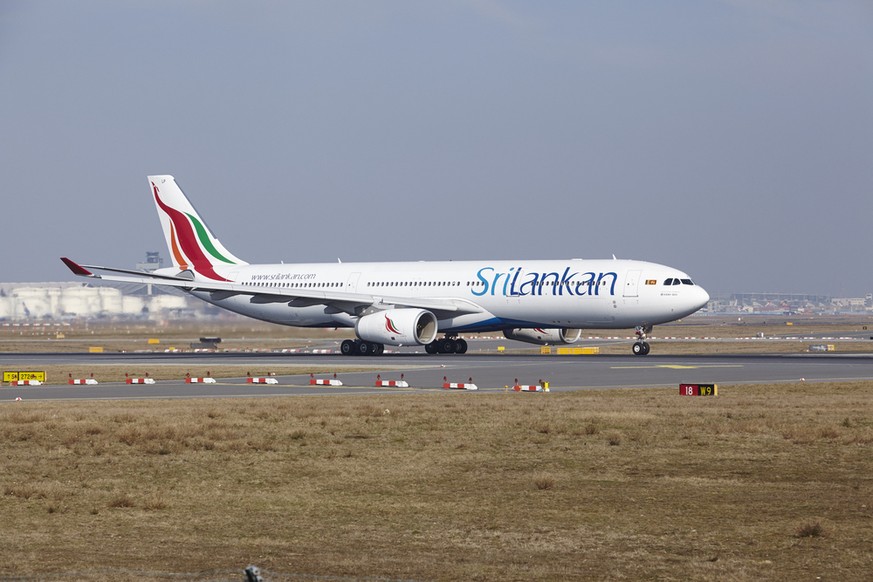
(490, 372)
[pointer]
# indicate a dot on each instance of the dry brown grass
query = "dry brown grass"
(761, 482)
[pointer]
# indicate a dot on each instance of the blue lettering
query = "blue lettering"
(566, 281)
(506, 282)
(583, 287)
(512, 291)
(518, 283)
(532, 279)
(496, 279)
(602, 277)
(544, 282)
(484, 288)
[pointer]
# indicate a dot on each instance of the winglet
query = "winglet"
(76, 268)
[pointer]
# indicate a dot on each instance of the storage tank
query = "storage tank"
(80, 301)
(132, 306)
(5, 307)
(110, 300)
(30, 303)
(160, 303)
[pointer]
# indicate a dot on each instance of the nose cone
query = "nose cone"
(701, 298)
(690, 300)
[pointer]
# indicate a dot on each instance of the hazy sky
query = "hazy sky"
(732, 139)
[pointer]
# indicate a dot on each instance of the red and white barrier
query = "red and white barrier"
(208, 379)
(78, 381)
(380, 383)
(313, 381)
(261, 380)
(541, 387)
(26, 383)
(146, 380)
(459, 385)
(392, 384)
(325, 382)
(529, 388)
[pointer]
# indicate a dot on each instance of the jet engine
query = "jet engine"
(398, 327)
(544, 337)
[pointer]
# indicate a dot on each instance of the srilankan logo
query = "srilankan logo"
(187, 232)
(389, 325)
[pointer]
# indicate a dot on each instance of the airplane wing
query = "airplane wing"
(352, 303)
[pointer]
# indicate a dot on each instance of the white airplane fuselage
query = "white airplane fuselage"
(577, 293)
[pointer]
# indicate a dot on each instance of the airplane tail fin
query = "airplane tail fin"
(191, 243)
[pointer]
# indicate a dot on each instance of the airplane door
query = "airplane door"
(631, 284)
(352, 283)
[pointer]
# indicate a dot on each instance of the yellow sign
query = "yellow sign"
(579, 351)
(21, 375)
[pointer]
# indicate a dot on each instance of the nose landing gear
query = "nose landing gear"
(641, 346)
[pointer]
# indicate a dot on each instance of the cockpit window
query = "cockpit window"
(677, 282)
(687, 282)
(668, 281)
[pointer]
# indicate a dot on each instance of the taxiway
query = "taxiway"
(422, 372)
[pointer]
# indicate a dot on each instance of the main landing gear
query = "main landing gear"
(641, 346)
(447, 345)
(361, 348)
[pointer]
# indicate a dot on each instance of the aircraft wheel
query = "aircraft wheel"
(448, 346)
(638, 349)
(365, 349)
(431, 348)
(378, 349)
(347, 348)
(461, 346)
(646, 348)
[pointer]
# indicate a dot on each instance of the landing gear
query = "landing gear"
(361, 348)
(641, 347)
(447, 345)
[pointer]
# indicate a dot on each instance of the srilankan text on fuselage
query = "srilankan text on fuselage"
(518, 282)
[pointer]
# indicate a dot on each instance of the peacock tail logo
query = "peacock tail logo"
(189, 238)
(389, 325)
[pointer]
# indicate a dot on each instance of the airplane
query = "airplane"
(545, 302)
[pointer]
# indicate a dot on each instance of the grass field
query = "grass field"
(760, 482)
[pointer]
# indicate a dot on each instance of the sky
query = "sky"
(731, 139)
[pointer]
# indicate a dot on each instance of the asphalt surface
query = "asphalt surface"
(490, 372)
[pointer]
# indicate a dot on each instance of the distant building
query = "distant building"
(788, 304)
(40, 301)
(152, 263)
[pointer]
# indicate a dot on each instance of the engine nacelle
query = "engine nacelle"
(544, 337)
(398, 327)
